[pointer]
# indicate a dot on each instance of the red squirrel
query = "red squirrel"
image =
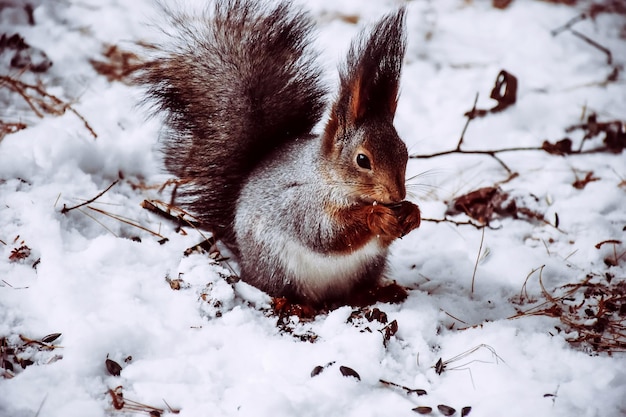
(308, 216)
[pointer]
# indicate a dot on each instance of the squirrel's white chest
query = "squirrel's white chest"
(319, 273)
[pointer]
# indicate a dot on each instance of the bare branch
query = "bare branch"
(65, 209)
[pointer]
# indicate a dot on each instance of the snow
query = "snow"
(212, 347)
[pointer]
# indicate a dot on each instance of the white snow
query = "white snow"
(213, 348)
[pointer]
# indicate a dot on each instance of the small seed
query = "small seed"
(446, 410)
(345, 371)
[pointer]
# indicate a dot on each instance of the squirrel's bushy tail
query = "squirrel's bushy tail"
(233, 86)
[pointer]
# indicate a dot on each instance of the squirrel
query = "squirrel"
(309, 217)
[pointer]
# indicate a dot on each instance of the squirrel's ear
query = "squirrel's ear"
(370, 79)
(365, 100)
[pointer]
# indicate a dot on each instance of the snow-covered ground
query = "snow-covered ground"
(212, 348)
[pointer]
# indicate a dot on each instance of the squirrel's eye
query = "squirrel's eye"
(363, 161)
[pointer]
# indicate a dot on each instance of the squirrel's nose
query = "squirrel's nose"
(398, 192)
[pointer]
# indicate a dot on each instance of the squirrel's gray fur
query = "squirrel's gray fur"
(241, 92)
(234, 84)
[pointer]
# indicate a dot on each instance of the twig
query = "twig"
(569, 24)
(442, 365)
(505, 166)
(480, 248)
(553, 310)
(470, 116)
(408, 390)
(9, 127)
(493, 152)
(609, 56)
(596, 319)
(569, 27)
(182, 220)
(43, 401)
(524, 290)
(80, 116)
(480, 152)
(129, 222)
(19, 90)
(453, 317)
(99, 222)
(543, 289)
(609, 241)
(459, 223)
(39, 105)
(172, 410)
(65, 209)
(179, 219)
(508, 82)
(122, 403)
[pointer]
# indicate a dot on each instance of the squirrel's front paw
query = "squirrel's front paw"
(408, 215)
(383, 222)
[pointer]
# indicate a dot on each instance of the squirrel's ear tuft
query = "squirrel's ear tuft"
(370, 79)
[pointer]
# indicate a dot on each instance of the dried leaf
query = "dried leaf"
(376, 314)
(284, 308)
(175, 284)
(581, 183)
(479, 204)
(7, 365)
(20, 253)
(7, 128)
(504, 91)
(24, 363)
(117, 398)
(566, 2)
(614, 132)
(489, 203)
(118, 64)
(389, 330)
(615, 137)
(501, 4)
(562, 147)
(25, 57)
